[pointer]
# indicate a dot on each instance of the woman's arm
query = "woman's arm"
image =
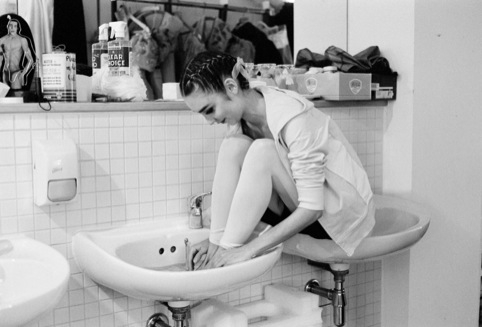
(297, 221)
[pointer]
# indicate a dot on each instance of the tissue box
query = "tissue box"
(384, 86)
(334, 86)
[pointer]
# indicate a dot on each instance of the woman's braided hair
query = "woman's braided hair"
(207, 71)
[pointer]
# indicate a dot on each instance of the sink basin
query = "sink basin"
(147, 261)
(399, 224)
(33, 279)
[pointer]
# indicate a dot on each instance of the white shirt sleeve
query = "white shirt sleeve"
(306, 138)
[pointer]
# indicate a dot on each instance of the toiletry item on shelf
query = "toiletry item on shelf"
(119, 50)
(100, 57)
(171, 91)
(58, 76)
(84, 88)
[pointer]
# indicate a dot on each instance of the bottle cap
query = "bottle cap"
(104, 32)
(118, 29)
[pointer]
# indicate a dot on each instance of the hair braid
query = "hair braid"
(207, 71)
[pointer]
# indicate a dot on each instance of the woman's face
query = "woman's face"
(217, 108)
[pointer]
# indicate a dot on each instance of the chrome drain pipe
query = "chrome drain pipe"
(335, 295)
(181, 316)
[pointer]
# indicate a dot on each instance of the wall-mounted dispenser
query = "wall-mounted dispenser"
(55, 171)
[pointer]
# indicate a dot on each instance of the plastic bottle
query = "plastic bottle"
(100, 57)
(119, 51)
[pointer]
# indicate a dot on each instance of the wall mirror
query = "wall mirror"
(74, 25)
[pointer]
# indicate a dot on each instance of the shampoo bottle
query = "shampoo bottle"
(100, 57)
(119, 50)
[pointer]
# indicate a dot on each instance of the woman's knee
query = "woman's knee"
(263, 152)
(234, 148)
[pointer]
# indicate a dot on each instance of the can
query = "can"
(58, 77)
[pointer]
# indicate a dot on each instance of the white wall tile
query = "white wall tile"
(143, 166)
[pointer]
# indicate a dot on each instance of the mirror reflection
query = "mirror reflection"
(164, 34)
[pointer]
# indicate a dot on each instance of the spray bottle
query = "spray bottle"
(119, 50)
(100, 57)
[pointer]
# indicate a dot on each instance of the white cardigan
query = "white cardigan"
(327, 172)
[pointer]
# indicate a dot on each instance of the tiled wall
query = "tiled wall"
(139, 166)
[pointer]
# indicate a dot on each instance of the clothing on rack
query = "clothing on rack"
(279, 36)
(164, 28)
(283, 17)
(217, 37)
(40, 17)
(69, 28)
(244, 49)
(266, 51)
(177, 42)
(214, 32)
(189, 45)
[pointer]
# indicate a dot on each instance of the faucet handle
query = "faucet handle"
(196, 201)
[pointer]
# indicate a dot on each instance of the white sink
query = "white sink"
(33, 279)
(147, 261)
(399, 224)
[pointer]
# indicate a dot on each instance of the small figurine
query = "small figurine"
(17, 54)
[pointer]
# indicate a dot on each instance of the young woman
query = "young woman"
(283, 162)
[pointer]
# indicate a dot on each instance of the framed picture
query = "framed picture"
(17, 52)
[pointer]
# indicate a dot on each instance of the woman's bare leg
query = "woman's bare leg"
(263, 179)
(230, 160)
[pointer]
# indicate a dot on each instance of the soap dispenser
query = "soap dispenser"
(55, 171)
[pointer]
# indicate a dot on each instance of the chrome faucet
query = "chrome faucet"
(195, 210)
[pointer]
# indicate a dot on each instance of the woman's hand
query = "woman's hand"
(201, 254)
(226, 257)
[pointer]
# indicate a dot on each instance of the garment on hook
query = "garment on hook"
(218, 37)
(238, 47)
(164, 27)
(279, 36)
(266, 51)
(189, 45)
(214, 33)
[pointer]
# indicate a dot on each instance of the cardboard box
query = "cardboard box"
(334, 86)
(384, 86)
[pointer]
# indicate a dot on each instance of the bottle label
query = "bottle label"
(100, 59)
(119, 61)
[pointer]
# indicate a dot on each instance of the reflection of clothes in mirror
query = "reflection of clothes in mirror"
(165, 29)
(39, 15)
(279, 37)
(283, 17)
(244, 49)
(217, 37)
(266, 51)
(189, 45)
(70, 28)
(214, 33)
